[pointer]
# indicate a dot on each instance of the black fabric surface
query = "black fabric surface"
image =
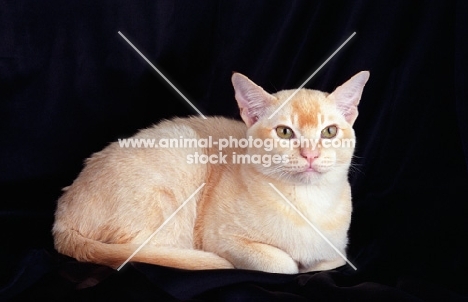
(70, 84)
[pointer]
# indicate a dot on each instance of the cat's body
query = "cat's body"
(239, 217)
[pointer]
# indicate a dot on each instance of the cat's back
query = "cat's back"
(123, 179)
(214, 126)
(171, 138)
(150, 156)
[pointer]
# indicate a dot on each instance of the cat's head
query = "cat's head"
(307, 134)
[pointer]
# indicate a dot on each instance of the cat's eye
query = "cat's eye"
(284, 132)
(329, 132)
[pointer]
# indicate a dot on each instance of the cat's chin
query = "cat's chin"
(309, 177)
(304, 178)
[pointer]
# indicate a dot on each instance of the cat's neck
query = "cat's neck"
(324, 190)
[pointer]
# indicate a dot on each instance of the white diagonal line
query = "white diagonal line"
(162, 75)
(315, 72)
(313, 226)
(161, 226)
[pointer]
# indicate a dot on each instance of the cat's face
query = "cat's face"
(310, 136)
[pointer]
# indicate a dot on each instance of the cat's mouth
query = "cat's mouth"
(305, 169)
(314, 170)
(306, 175)
(311, 172)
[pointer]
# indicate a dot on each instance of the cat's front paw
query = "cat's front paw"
(285, 268)
(325, 265)
(261, 257)
(277, 265)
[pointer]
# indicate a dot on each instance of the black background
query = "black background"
(70, 84)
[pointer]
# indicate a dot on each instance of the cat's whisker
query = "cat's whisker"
(355, 168)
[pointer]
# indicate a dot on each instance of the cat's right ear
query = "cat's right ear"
(251, 98)
(348, 95)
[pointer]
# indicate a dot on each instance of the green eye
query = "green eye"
(284, 132)
(329, 132)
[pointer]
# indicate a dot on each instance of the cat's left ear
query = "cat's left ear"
(348, 95)
(251, 98)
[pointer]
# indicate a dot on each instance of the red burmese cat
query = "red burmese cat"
(243, 214)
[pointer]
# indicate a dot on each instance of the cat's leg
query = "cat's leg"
(324, 265)
(260, 256)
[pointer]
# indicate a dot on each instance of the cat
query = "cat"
(243, 214)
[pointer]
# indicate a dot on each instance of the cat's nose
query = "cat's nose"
(310, 154)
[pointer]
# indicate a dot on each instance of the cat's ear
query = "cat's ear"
(251, 98)
(348, 95)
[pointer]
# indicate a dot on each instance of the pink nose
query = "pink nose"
(310, 155)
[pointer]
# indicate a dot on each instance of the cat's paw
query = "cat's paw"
(325, 265)
(262, 257)
(279, 265)
(286, 269)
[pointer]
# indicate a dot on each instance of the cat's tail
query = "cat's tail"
(73, 244)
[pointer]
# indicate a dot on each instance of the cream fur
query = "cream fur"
(237, 220)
